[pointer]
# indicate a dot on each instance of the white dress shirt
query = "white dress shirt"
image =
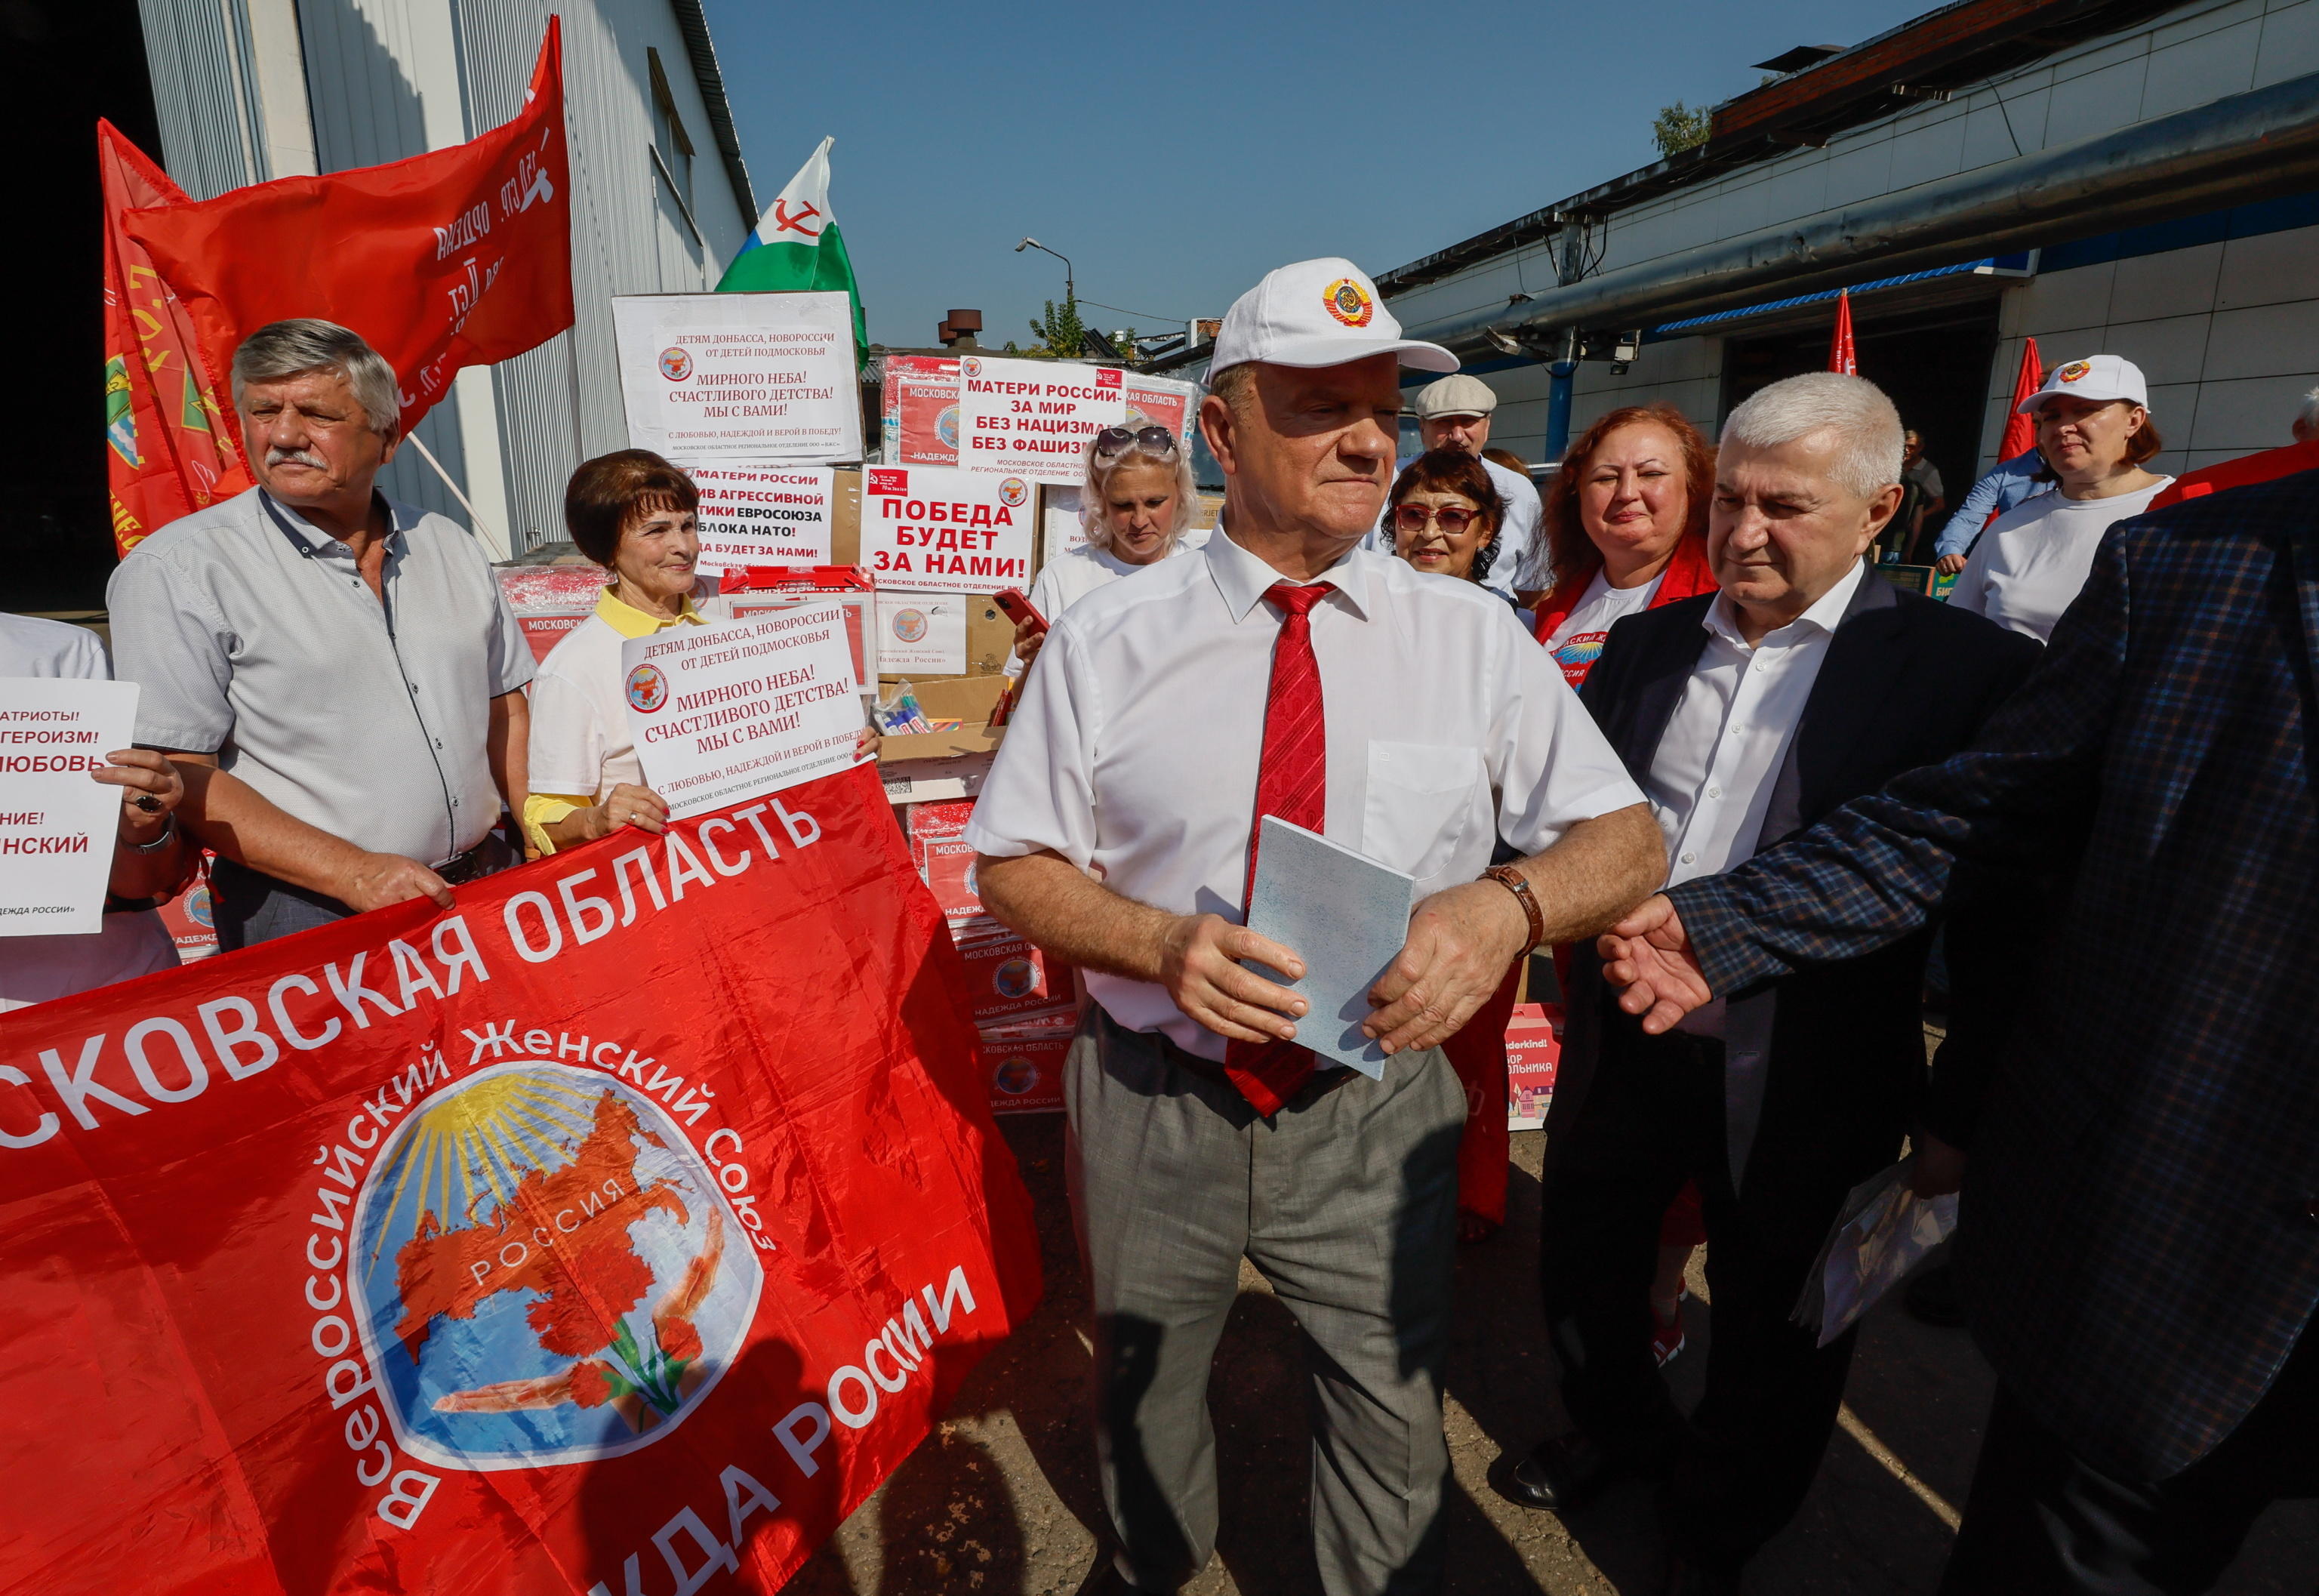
(1520, 547)
(1072, 575)
(1135, 752)
(1712, 777)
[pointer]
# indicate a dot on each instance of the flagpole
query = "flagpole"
(475, 520)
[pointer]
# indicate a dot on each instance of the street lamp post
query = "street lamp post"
(1070, 292)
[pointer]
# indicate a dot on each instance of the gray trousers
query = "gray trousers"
(1347, 1202)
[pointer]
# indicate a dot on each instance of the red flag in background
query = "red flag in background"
(2020, 431)
(174, 449)
(1840, 357)
(459, 257)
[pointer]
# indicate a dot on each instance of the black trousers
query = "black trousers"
(1735, 1472)
(2042, 1521)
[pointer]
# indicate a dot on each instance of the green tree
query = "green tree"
(1059, 332)
(1678, 128)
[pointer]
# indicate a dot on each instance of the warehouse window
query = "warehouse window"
(668, 140)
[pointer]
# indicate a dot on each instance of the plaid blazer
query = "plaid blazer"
(2140, 1247)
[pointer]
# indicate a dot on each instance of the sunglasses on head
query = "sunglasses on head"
(1154, 440)
(1413, 518)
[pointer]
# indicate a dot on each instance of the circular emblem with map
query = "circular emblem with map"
(909, 624)
(648, 688)
(675, 365)
(969, 365)
(1017, 1076)
(544, 1271)
(1013, 491)
(946, 427)
(1014, 978)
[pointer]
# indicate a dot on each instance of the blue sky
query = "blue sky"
(1175, 153)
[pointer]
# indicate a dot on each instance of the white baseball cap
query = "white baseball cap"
(1317, 313)
(2100, 378)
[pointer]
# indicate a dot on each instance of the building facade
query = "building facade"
(245, 91)
(2218, 303)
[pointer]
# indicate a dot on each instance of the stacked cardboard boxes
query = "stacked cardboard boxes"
(1024, 1006)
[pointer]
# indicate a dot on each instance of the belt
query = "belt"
(471, 865)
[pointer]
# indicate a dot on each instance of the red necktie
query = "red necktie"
(1292, 784)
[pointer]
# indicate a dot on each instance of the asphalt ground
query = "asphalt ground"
(1002, 1499)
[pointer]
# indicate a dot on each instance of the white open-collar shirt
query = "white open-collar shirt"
(1135, 751)
(1713, 774)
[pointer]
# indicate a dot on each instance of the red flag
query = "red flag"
(459, 257)
(2268, 465)
(624, 1224)
(1840, 355)
(174, 449)
(2020, 431)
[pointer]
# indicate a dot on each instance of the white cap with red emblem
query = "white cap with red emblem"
(1317, 313)
(2100, 378)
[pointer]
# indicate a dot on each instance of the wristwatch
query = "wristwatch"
(1515, 882)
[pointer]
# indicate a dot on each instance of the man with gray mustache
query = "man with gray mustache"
(336, 675)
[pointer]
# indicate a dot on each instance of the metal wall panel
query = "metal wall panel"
(561, 403)
(198, 51)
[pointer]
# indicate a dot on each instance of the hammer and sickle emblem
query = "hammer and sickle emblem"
(783, 222)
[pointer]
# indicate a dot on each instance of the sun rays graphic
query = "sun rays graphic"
(468, 1151)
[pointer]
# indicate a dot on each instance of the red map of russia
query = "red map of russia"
(563, 1233)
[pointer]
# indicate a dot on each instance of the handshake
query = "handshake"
(1647, 957)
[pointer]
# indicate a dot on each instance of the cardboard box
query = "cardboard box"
(969, 698)
(191, 920)
(949, 873)
(1024, 1077)
(1007, 976)
(1533, 1053)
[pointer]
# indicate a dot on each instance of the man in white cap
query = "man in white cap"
(1454, 413)
(1283, 670)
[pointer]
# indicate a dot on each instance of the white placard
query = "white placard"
(57, 825)
(1034, 418)
(766, 378)
(935, 529)
(735, 711)
(922, 632)
(763, 515)
(1059, 531)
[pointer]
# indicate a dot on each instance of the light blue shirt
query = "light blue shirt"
(2006, 484)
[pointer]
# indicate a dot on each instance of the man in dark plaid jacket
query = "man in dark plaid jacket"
(2140, 1255)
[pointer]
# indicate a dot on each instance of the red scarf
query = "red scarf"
(1687, 576)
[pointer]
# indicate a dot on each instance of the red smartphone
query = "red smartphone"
(1017, 609)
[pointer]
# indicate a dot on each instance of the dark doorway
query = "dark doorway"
(1934, 363)
(62, 66)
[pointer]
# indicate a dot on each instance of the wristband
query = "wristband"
(168, 831)
(1515, 882)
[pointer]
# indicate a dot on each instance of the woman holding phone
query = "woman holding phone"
(1136, 502)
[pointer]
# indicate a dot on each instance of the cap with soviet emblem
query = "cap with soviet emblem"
(1317, 313)
(2100, 378)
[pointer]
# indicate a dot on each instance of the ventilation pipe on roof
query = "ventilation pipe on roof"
(2233, 151)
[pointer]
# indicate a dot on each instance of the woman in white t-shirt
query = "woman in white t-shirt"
(1626, 528)
(1136, 503)
(2095, 431)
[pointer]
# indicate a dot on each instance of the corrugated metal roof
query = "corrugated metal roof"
(698, 45)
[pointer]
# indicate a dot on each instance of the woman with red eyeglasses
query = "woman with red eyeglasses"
(1136, 505)
(1444, 514)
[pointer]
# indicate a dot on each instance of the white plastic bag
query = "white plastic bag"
(1883, 1231)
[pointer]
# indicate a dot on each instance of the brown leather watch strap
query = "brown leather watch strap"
(1514, 881)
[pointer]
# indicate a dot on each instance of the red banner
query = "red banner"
(459, 257)
(616, 1230)
(173, 450)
